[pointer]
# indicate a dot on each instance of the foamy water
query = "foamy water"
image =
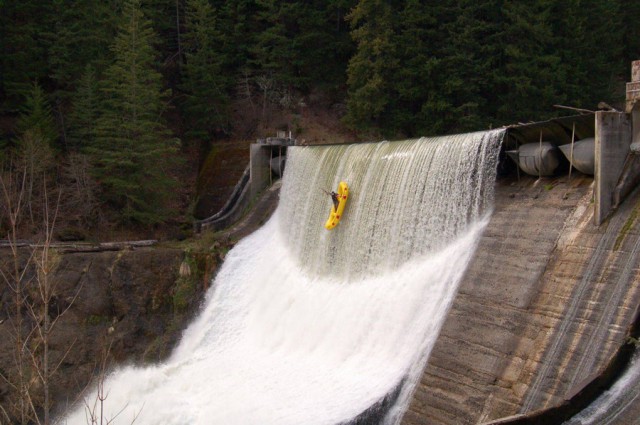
(307, 326)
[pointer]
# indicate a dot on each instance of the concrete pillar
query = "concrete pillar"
(260, 171)
(633, 105)
(612, 141)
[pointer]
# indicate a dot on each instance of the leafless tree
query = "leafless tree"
(14, 276)
(266, 83)
(80, 203)
(28, 275)
(40, 310)
(35, 158)
(95, 408)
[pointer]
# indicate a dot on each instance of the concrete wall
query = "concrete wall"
(612, 141)
(260, 177)
(545, 303)
(632, 106)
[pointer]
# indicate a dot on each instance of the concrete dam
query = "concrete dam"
(543, 313)
(456, 290)
(308, 326)
(546, 304)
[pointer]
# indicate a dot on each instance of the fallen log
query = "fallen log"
(71, 247)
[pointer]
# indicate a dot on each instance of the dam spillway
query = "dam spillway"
(547, 301)
(308, 326)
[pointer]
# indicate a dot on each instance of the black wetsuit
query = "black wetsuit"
(334, 198)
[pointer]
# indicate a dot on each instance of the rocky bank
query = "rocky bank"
(132, 303)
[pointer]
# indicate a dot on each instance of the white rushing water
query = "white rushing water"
(616, 405)
(308, 326)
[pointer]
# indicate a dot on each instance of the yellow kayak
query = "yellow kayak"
(336, 214)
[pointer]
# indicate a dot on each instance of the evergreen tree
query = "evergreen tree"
(587, 72)
(81, 34)
(206, 87)
(531, 77)
(36, 116)
(372, 67)
(295, 46)
(332, 47)
(237, 17)
(166, 17)
(628, 17)
(85, 112)
(36, 156)
(595, 69)
(425, 85)
(273, 53)
(133, 148)
(322, 35)
(475, 54)
(23, 49)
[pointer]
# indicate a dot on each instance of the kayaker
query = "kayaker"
(335, 199)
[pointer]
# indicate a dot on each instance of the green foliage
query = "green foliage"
(97, 320)
(452, 66)
(85, 112)
(237, 20)
(627, 21)
(183, 294)
(133, 149)
(296, 47)
(80, 35)
(371, 70)
(36, 135)
(106, 71)
(206, 87)
(36, 116)
(23, 25)
(582, 28)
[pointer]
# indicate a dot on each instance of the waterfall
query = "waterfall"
(308, 326)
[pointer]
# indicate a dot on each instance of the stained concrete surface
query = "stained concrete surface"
(545, 303)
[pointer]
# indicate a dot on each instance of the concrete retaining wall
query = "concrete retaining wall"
(613, 138)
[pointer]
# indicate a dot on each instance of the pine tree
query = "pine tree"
(628, 17)
(238, 20)
(341, 46)
(531, 78)
(85, 112)
(81, 33)
(373, 65)
(273, 53)
(206, 86)
(295, 46)
(424, 82)
(36, 116)
(475, 52)
(23, 49)
(133, 148)
(34, 149)
(582, 28)
(321, 38)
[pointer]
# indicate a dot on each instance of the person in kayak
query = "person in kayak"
(335, 199)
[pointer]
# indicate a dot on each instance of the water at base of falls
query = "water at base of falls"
(306, 326)
(617, 404)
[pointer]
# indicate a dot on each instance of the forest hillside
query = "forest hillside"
(110, 106)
